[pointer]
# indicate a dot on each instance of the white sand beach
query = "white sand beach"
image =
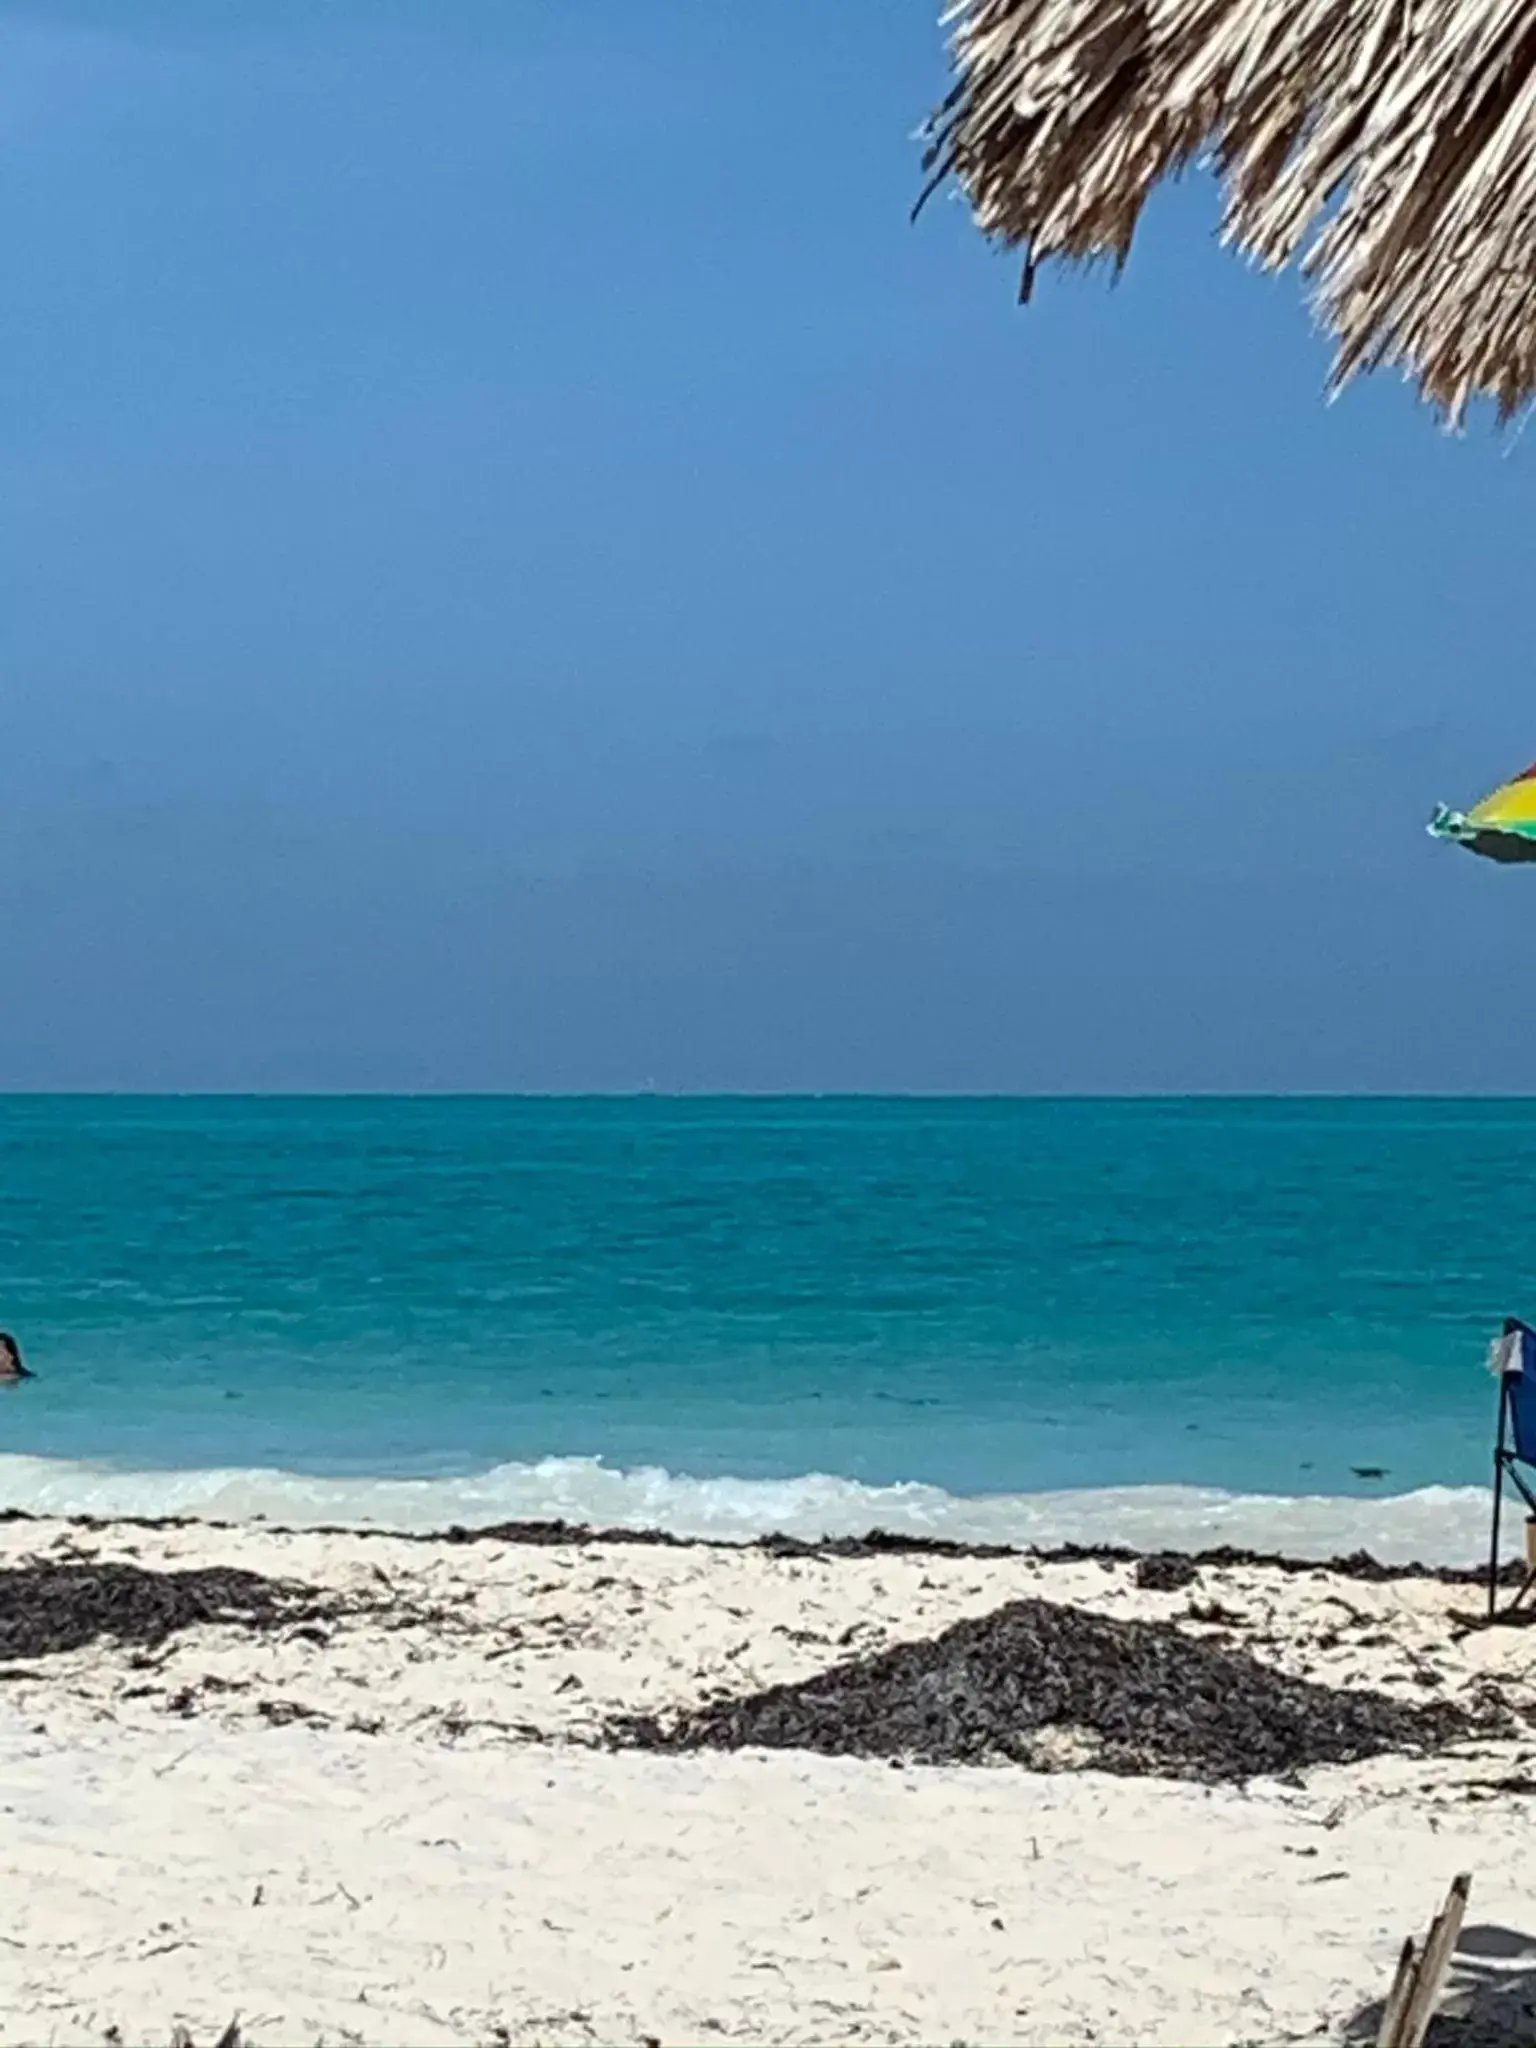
(395, 1826)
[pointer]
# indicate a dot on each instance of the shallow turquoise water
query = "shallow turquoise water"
(991, 1297)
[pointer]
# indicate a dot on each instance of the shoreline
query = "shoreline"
(414, 1770)
(1433, 1523)
(876, 1542)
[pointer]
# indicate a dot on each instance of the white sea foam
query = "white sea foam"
(1442, 1525)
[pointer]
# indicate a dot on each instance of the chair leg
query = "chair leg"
(1493, 1549)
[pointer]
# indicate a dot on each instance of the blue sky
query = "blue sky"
(521, 569)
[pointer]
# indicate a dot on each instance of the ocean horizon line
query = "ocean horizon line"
(1119, 1097)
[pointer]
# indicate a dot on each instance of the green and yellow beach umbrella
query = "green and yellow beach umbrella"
(1501, 827)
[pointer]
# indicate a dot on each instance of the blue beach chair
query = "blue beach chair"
(1514, 1360)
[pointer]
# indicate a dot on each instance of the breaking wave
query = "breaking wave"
(1436, 1525)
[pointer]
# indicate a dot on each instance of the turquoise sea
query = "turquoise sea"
(1139, 1319)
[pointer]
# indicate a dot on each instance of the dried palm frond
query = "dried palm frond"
(1390, 145)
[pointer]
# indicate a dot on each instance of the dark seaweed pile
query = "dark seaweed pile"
(1165, 1572)
(1140, 1697)
(48, 1608)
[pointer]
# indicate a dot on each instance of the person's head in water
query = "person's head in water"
(11, 1367)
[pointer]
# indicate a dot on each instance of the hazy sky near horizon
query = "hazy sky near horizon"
(519, 568)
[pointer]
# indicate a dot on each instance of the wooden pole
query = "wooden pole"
(1421, 1976)
(1397, 1998)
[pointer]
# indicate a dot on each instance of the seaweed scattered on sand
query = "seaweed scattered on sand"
(1056, 1687)
(48, 1608)
(1359, 1564)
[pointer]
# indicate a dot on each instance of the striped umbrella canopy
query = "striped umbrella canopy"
(1501, 827)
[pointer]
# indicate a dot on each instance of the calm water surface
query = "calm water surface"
(989, 1297)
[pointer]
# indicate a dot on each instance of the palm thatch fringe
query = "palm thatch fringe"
(1390, 145)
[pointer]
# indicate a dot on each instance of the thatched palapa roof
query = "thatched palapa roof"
(1389, 145)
